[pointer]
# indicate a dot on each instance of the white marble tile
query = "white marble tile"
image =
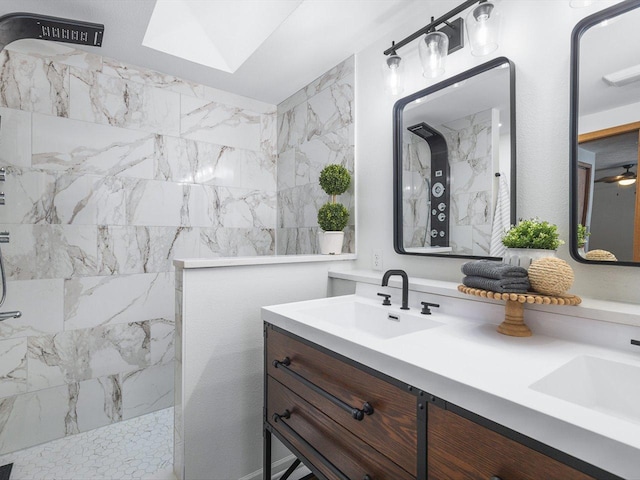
(286, 169)
(96, 403)
(232, 242)
(240, 208)
(219, 123)
(156, 203)
(62, 144)
(56, 52)
(28, 196)
(228, 98)
(108, 100)
(13, 366)
(329, 111)
(125, 250)
(342, 73)
(206, 163)
(314, 155)
(19, 254)
(481, 240)
(38, 318)
(65, 251)
(34, 84)
(162, 350)
(108, 199)
(147, 390)
(77, 355)
(133, 73)
(268, 134)
(292, 127)
(15, 138)
(32, 418)
(94, 301)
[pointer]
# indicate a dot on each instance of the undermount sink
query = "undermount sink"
(368, 320)
(601, 385)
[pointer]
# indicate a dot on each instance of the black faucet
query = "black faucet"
(405, 285)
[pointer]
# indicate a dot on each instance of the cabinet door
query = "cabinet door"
(316, 435)
(393, 427)
(459, 449)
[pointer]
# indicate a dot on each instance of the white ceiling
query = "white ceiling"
(318, 35)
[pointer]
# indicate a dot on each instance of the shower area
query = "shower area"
(109, 171)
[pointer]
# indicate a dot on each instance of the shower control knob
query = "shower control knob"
(434, 212)
(434, 233)
(442, 233)
(441, 217)
(442, 206)
(437, 190)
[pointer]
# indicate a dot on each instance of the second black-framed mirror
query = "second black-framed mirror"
(454, 164)
(604, 133)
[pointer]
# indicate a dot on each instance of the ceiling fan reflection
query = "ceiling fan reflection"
(625, 178)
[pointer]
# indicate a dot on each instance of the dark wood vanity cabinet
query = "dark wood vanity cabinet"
(343, 419)
(458, 448)
(346, 421)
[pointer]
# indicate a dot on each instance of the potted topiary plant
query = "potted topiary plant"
(529, 240)
(582, 235)
(333, 216)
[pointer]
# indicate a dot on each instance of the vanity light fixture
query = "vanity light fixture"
(483, 24)
(394, 67)
(433, 49)
(483, 28)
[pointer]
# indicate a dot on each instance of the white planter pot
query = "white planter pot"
(330, 242)
(522, 257)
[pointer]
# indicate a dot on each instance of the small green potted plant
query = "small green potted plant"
(529, 240)
(582, 235)
(333, 216)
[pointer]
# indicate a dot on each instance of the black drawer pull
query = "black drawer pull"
(356, 413)
(278, 419)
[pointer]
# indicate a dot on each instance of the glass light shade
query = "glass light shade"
(393, 68)
(433, 51)
(627, 181)
(483, 29)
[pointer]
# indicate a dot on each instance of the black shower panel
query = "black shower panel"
(440, 195)
(16, 26)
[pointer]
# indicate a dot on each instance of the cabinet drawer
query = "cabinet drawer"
(350, 455)
(391, 429)
(459, 448)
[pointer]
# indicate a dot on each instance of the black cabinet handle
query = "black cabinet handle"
(277, 418)
(356, 413)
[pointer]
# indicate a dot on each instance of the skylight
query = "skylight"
(221, 34)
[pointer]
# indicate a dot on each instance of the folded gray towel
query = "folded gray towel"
(508, 285)
(493, 269)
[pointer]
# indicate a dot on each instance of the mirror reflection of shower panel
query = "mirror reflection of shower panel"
(440, 191)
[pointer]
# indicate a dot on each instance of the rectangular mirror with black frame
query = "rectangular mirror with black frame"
(605, 128)
(455, 164)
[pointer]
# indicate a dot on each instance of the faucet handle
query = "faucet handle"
(425, 307)
(386, 300)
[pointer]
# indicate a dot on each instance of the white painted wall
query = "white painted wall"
(222, 355)
(539, 45)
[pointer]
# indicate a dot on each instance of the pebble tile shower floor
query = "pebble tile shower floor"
(140, 448)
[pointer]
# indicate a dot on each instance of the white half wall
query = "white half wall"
(219, 357)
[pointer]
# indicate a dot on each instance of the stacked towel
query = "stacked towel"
(495, 276)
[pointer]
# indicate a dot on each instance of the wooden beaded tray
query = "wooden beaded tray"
(513, 323)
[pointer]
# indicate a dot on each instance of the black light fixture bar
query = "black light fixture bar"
(423, 31)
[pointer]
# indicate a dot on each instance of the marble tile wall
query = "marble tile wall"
(315, 128)
(113, 171)
(471, 160)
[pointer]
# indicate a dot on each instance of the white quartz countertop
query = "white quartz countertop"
(217, 262)
(471, 365)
